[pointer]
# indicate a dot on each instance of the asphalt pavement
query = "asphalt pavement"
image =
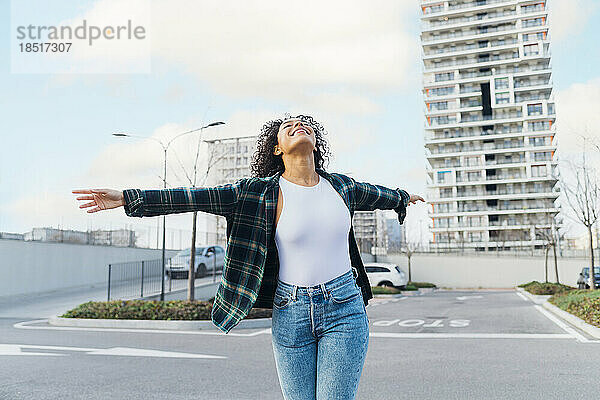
(484, 344)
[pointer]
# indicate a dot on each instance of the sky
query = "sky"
(354, 65)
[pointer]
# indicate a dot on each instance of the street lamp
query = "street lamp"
(165, 148)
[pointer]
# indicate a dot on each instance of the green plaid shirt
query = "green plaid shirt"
(251, 265)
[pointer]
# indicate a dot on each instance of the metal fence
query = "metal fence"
(137, 279)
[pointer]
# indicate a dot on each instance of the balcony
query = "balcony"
(472, 32)
(450, 22)
(473, 60)
(478, 3)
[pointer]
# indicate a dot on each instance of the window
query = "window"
(443, 176)
(446, 192)
(530, 37)
(501, 83)
(473, 176)
(442, 105)
(443, 222)
(440, 91)
(539, 126)
(542, 156)
(443, 207)
(531, 49)
(502, 98)
(538, 170)
(532, 22)
(551, 109)
(472, 161)
(448, 76)
(539, 141)
(534, 109)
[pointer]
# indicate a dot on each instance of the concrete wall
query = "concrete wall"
(29, 267)
(486, 271)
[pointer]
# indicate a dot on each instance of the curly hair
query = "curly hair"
(264, 163)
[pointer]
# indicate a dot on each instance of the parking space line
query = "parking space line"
(25, 325)
(473, 335)
(563, 325)
(521, 296)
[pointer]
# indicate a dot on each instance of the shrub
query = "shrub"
(152, 310)
(411, 286)
(422, 284)
(384, 290)
(545, 288)
(582, 303)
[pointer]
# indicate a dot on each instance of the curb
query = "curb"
(565, 316)
(574, 320)
(154, 324)
(536, 298)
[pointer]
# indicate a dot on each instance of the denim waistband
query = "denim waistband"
(344, 279)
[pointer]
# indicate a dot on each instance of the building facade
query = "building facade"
(489, 129)
(229, 160)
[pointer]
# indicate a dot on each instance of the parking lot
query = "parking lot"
(483, 344)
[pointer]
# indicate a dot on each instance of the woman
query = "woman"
(291, 247)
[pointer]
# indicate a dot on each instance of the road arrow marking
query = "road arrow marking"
(16, 349)
(468, 297)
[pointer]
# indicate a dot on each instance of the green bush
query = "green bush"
(152, 310)
(422, 284)
(582, 303)
(545, 288)
(384, 290)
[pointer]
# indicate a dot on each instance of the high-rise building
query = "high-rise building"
(489, 129)
(229, 160)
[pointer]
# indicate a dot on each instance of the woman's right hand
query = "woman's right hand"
(103, 199)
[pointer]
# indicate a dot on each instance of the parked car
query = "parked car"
(386, 274)
(584, 281)
(206, 258)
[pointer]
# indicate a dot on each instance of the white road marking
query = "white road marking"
(564, 326)
(25, 325)
(468, 297)
(473, 335)
(16, 349)
(522, 296)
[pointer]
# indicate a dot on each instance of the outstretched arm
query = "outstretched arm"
(369, 197)
(219, 200)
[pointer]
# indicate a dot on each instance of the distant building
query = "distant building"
(117, 237)
(370, 231)
(490, 122)
(230, 161)
(12, 236)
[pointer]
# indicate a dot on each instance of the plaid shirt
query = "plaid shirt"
(251, 265)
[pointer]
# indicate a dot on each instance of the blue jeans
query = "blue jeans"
(320, 339)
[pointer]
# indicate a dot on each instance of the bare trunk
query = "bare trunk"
(555, 263)
(592, 275)
(546, 264)
(192, 270)
(409, 275)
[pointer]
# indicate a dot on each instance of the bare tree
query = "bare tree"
(410, 247)
(583, 196)
(551, 237)
(213, 158)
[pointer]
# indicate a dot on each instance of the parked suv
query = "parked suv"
(386, 274)
(584, 280)
(205, 260)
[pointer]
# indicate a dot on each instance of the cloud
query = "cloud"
(577, 114)
(570, 17)
(282, 50)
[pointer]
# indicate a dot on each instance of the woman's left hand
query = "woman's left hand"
(414, 198)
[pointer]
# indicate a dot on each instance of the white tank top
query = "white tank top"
(312, 233)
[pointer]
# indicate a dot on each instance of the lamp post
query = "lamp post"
(165, 148)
